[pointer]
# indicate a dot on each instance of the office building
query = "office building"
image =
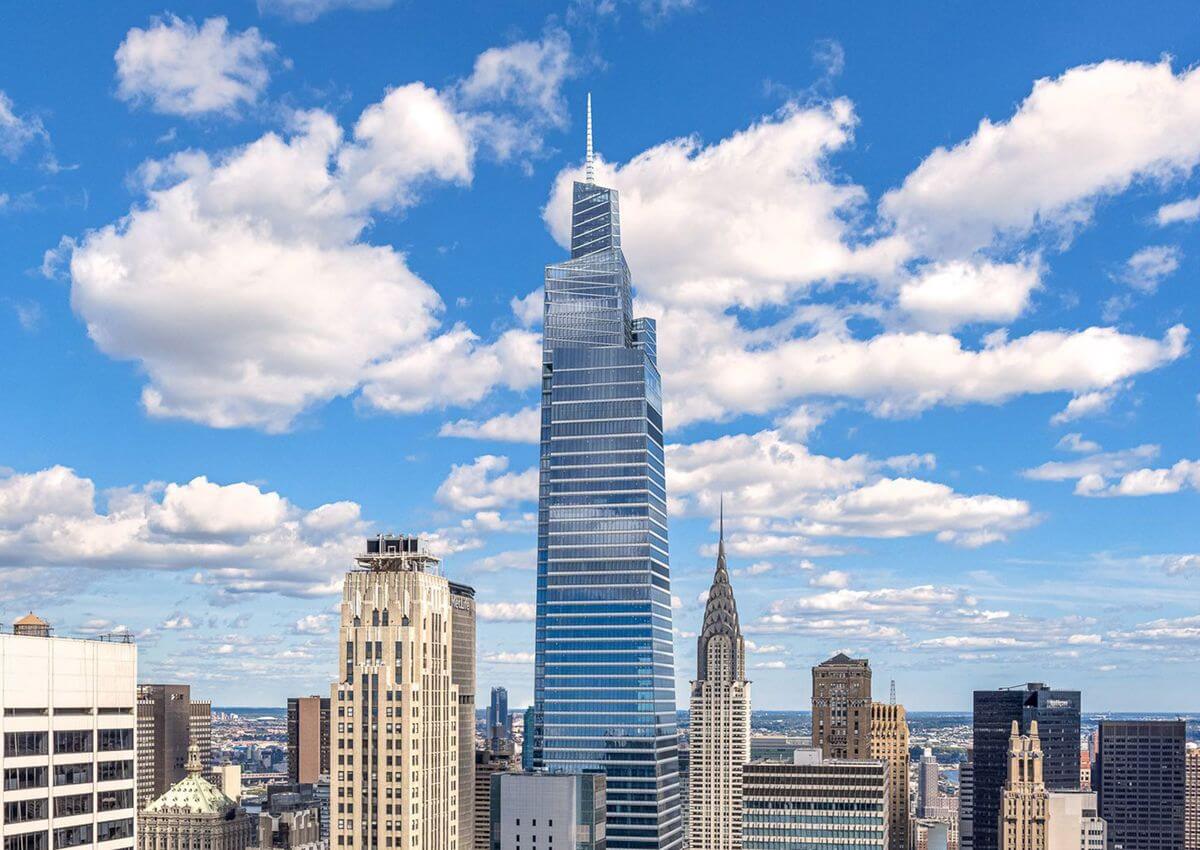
(841, 707)
(1057, 716)
(290, 819)
(603, 561)
(793, 805)
(1140, 778)
(1085, 770)
(889, 743)
(169, 721)
(462, 673)
(927, 785)
(498, 726)
(548, 810)
(527, 741)
(488, 763)
(308, 738)
(719, 720)
(194, 814)
(67, 717)
(930, 834)
(1073, 822)
(966, 802)
(776, 747)
(1024, 801)
(1191, 808)
(228, 777)
(394, 748)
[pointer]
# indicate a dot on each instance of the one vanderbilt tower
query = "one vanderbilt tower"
(605, 672)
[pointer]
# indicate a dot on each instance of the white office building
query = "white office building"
(550, 811)
(67, 718)
(1073, 822)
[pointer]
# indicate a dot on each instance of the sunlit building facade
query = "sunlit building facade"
(605, 674)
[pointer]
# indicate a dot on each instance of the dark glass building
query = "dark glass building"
(1140, 781)
(1057, 716)
(604, 677)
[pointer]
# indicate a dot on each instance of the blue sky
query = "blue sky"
(925, 279)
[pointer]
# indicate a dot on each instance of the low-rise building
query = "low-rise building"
(548, 810)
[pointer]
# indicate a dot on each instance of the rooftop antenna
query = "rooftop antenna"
(590, 168)
(893, 693)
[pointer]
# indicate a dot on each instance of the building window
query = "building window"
(28, 841)
(72, 804)
(72, 774)
(16, 778)
(114, 829)
(25, 743)
(111, 801)
(25, 810)
(72, 836)
(107, 771)
(115, 739)
(73, 742)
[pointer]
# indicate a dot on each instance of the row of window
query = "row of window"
(17, 778)
(71, 741)
(72, 836)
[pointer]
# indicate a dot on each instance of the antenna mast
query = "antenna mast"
(590, 167)
(893, 693)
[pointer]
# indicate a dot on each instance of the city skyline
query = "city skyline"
(925, 324)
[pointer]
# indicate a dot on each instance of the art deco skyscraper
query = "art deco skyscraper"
(395, 738)
(1057, 715)
(1024, 801)
(841, 707)
(889, 742)
(719, 725)
(604, 674)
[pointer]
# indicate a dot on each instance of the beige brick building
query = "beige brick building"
(394, 742)
(1024, 802)
(841, 707)
(889, 743)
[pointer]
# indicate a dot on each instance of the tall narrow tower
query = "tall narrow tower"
(1024, 801)
(841, 707)
(719, 728)
(889, 742)
(604, 673)
(395, 724)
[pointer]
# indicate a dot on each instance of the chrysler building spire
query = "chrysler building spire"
(720, 717)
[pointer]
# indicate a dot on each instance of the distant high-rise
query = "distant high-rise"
(488, 763)
(1140, 777)
(66, 740)
(169, 721)
(841, 707)
(719, 722)
(927, 785)
(462, 673)
(532, 810)
(308, 738)
(813, 802)
(966, 802)
(527, 741)
(499, 728)
(606, 702)
(395, 745)
(889, 743)
(1191, 819)
(1023, 802)
(1057, 716)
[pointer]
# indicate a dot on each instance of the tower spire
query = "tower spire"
(590, 167)
(721, 533)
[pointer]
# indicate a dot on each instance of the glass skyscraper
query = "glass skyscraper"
(604, 688)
